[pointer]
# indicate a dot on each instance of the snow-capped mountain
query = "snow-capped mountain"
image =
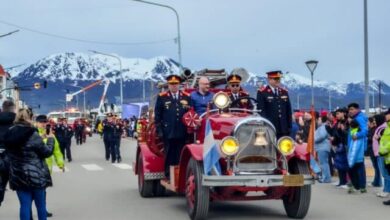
(84, 67)
(66, 72)
(294, 81)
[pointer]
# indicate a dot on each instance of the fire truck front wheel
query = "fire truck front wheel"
(198, 196)
(297, 202)
(145, 187)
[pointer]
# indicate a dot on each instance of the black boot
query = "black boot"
(48, 214)
(386, 202)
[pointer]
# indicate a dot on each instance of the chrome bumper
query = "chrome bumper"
(250, 180)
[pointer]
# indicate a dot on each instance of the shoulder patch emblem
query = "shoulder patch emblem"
(185, 93)
(163, 94)
(283, 89)
(262, 89)
(244, 93)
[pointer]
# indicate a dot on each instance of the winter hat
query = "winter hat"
(41, 118)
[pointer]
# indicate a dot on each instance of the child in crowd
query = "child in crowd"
(357, 171)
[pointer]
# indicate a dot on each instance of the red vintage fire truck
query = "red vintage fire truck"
(254, 164)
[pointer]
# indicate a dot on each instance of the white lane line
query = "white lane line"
(123, 166)
(58, 170)
(91, 167)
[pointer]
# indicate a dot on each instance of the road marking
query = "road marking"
(91, 167)
(58, 170)
(123, 166)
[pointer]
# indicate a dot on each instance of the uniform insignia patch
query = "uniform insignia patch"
(163, 93)
(184, 102)
(262, 89)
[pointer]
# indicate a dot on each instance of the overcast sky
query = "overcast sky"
(259, 35)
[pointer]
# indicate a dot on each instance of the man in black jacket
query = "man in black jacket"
(64, 134)
(274, 103)
(169, 110)
(79, 130)
(7, 117)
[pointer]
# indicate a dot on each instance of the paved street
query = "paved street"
(93, 188)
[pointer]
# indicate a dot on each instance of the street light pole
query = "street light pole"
(312, 65)
(77, 101)
(84, 109)
(120, 71)
(366, 69)
(330, 102)
(143, 87)
(178, 26)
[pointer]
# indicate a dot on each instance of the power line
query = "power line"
(83, 40)
(9, 33)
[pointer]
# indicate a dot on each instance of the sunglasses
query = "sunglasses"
(173, 83)
(276, 79)
(235, 85)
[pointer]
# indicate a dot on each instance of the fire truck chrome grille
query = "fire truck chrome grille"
(257, 151)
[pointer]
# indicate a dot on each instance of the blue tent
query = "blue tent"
(134, 109)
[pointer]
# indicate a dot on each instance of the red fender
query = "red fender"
(152, 163)
(189, 151)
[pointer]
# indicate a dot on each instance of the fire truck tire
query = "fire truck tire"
(197, 196)
(145, 187)
(297, 205)
(159, 190)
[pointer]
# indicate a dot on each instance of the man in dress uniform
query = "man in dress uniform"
(274, 103)
(236, 92)
(79, 131)
(64, 133)
(169, 110)
(107, 134)
(115, 142)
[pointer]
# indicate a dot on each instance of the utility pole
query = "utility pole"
(380, 96)
(366, 69)
(330, 102)
(177, 24)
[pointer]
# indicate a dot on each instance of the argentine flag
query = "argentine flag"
(210, 152)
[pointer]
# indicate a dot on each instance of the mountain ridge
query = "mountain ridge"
(66, 70)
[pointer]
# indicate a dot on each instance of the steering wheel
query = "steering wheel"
(244, 97)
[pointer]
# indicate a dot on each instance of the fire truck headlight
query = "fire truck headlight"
(221, 100)
(229, 146)
(286, 145)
